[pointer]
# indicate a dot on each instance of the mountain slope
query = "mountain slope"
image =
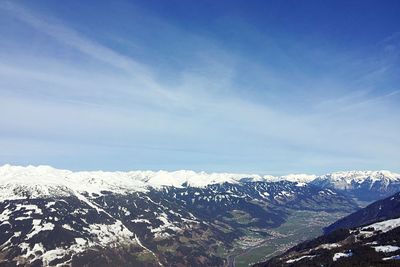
(384, 209)
(368, 237)
(67, 230)
(376, 244)
(51, 217)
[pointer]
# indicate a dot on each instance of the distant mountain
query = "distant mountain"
(368, 237)
(57, 217)
(363, 185)
(138, 180)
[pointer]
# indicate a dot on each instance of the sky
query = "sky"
(268, 87)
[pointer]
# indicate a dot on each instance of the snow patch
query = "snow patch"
(386, 249)
(342, 255)
(302, 257)
(396, 257)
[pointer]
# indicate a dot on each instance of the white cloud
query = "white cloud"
(118, 107)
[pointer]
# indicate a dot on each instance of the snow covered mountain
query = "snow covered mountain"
(46, 181)
(140, 180)
(368, 237)
(44, 177)
(132, 179)
(56, 217)
(364, 185)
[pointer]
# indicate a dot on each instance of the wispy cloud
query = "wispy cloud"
(214, 116)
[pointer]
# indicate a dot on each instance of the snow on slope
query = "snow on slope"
(345, 180)
(16, 181)
(302, 178)
(45, 180)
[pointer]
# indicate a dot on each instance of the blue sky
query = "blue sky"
(240, 86)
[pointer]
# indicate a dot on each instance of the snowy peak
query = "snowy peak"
(45, 180)
(182, 178)
(302, 178)
(18, 181)
(351, 179)
(364, 185)
(194, 179)
(360, 176)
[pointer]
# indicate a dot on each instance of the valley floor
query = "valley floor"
(300, 226)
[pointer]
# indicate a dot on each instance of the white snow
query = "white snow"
(329, 246)
(38, 227)
(396, 257)
(67, 227)
(285, 193)
(347, 179)
(101, 235)
(109, 234)
(300, 258)
(28, 209)
(386, 249)
(80, 241)
(5, 215)
(41, 181)
(341, 255)
(304, 178)
(141, 221)
(383, 226)
(166, 225)
(266, 194)
(49, 204)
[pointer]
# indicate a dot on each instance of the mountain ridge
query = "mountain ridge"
(48, 222)
(384, 209)
(181, 178)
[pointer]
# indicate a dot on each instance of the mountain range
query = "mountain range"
(57, 217)
(370, 185)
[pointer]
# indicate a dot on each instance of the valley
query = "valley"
(367, 237)
(299, 226)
